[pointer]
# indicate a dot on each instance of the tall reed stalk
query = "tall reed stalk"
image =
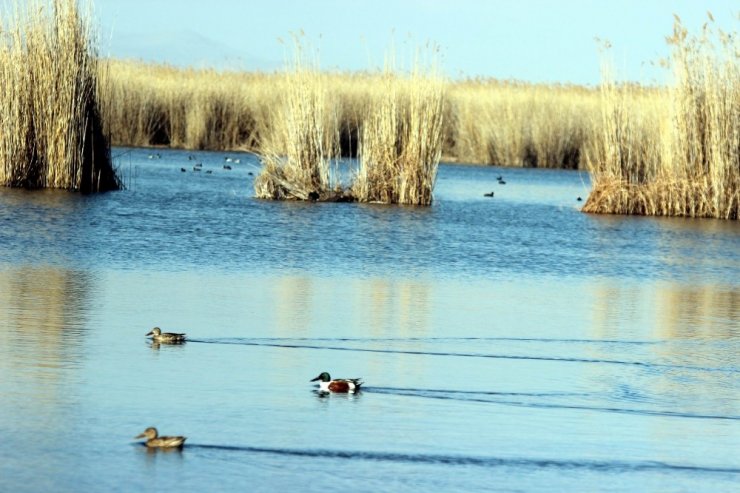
(681, 158)
(301, 140)
(51, 133)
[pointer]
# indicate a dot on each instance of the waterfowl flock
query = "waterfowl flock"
(198, 166)
(326, 385)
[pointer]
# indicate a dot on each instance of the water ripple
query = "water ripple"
(469, 396)
(253, 342)
(460, 460)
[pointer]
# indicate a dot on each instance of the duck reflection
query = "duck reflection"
(324, 395)
(156, 345)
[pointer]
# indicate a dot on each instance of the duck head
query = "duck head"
(324, 377)
(149, 433)
(154, 332)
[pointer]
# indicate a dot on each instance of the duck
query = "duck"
(489, 194)
(156, 441)
(165, 337)
(226, 166)
(340, 385)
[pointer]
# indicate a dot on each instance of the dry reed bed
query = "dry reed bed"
(518, 124)
(678, 153)
(50, 127)
(484, 121)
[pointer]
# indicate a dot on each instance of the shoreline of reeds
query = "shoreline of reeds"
(501, 123)
(51, 129)
(651, 150)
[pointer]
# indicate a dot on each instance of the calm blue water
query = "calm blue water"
(507, 344)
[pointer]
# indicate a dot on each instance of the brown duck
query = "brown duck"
(156, 441)
(165, 337)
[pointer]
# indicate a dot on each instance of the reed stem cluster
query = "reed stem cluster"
(677, 153)
(397, 130)
(51, 132)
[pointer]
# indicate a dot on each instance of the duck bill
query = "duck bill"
(314, 379)
(151, 333)
(140, 435)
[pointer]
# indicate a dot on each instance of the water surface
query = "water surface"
(508, 343)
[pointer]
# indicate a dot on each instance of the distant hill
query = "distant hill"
(184, 48)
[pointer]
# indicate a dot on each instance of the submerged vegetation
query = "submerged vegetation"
(51, 133)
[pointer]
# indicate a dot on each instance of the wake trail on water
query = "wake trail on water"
(298, 345)
(460, 460)
(503, 398)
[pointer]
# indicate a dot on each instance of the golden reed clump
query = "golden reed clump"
(51, 133)
(401, 140)
(398, 135)
(301, 137)
(674, 152)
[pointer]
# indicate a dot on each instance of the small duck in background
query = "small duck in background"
(156, 441)
(339, 385)
(165, 337)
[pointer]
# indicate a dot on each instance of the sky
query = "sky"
(528, 40)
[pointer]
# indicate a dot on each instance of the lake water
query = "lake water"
(508, 344)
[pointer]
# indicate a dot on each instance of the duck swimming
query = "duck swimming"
(165, 337)
(340, 385)
(156, 441)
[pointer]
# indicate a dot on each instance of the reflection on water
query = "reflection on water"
(667, 311)
(698, 312)
(378, 305)
(44, 309)
(44, 320)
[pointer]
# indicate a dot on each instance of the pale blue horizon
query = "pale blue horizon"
(531, 40)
